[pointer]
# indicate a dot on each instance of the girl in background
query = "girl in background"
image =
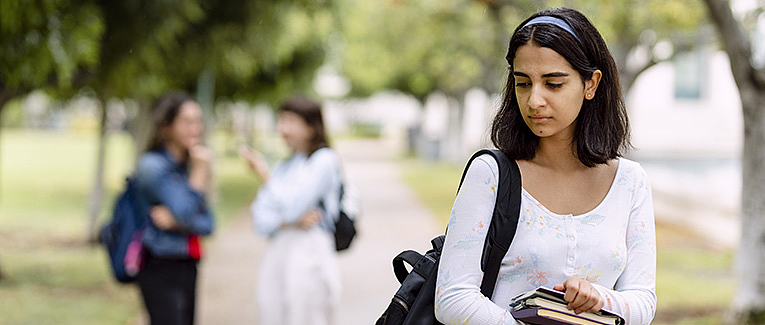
(172, 178)
(296, 207)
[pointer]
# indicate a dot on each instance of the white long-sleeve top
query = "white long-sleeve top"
(613, 246)
(296, 186)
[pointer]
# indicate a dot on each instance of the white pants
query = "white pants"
(299, 280)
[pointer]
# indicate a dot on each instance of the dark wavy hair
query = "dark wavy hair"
(166, 110)
(602, 129)
(310, 111)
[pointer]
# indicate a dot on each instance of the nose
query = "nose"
(536, 97)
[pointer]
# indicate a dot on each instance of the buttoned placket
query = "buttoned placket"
(570, 244)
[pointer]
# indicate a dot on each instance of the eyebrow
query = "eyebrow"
(546, 75)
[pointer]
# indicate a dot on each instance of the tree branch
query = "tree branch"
(734, 39)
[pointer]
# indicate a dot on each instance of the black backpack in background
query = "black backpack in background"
(413, 302)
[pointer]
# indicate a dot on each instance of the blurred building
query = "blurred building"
(688, 107)
(687, 129)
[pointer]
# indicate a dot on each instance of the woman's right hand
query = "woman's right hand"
(255, 160)
(200, 156)
(580, 295)
(199, 175)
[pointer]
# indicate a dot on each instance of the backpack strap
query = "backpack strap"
(410, 257)
(504, 220)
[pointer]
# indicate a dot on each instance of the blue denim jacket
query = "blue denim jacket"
(160, 180)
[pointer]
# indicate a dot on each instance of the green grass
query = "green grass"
(51, 275)
(695, 284)
(435, 183)
(236, 183)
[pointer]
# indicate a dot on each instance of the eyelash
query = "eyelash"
(526, 84)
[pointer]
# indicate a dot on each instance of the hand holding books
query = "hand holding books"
(546, 306)
(580, 295)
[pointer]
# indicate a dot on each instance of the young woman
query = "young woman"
(172, 178)
(586, 225)
(299, 280)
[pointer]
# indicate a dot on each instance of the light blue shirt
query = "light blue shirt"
(296, 186)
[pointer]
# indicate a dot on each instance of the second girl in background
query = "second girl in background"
(299, 279)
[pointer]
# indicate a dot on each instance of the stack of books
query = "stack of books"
(545, 306)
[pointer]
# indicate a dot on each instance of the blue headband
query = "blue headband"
(555, 21)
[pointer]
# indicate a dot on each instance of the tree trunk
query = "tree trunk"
(249, 127)
(2, 104)
(141, 129)
(206, 98)
(5, 96)
(749, 302)
(452, 146)
(97, 194)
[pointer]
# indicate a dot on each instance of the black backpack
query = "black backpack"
(413, 302)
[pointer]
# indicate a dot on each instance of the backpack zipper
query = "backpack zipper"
(401, 302)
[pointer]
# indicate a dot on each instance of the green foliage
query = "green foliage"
(422, 46)
(264, 50)
(44, 43)
(282, 47)
(257, 50)
(625, 21)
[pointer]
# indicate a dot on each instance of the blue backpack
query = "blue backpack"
(123, 236)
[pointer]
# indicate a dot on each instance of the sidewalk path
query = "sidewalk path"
(392, 220)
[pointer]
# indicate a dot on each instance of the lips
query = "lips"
(539, 119)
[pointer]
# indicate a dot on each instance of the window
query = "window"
(690, 74)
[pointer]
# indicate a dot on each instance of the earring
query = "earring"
(589, 96)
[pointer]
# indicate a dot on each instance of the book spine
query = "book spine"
(531, 315)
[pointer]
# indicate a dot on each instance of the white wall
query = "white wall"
(663, 125)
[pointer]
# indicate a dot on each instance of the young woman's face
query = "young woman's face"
(295, 131)
(550, 92)
(187, 129)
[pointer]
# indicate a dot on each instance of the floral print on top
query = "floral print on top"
(613, 246)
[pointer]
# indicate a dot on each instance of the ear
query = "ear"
(591, 85)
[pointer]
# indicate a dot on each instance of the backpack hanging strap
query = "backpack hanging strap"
(410, 257)
(504, 220)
